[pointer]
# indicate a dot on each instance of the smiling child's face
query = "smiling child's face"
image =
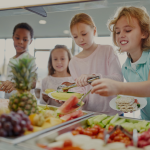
(22, 39)
(60, 60)
(129, 36)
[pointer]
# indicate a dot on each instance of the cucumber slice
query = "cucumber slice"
(107, 120)
(99, 118)
(116, 117)
(90, 120)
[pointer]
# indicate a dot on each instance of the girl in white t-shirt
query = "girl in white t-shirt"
(58, 72)
(22, 37)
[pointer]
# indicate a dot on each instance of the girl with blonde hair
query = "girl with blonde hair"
(131, 34)
(93, 60)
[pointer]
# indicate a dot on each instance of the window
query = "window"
(2, 59)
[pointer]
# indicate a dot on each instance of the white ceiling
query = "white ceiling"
(59, 16)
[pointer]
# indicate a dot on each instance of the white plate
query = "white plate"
(45, 93)
(141, 100)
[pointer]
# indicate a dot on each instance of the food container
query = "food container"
(16, 140)
(47, 138)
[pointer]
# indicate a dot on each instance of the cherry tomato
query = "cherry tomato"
(117, 132)
(94, 131)
(118, 138)
(112, 136)
(102, 130)
(126, 138)
(110, 127)
(88, 129)
(80, 130)
(100, 136)
(122, 135)
(67, 143)
(74, 132)
(97, 127)
(87, 132)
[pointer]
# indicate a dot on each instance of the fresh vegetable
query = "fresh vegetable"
(107, 120)
(116, 117)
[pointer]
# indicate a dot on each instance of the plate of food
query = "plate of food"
(127, 103)
(47, 91)
(63, 96)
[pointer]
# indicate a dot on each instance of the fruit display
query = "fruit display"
(65, 96)
(23, 74)
(105, 121)
(37, 119)
(144, 139)
(14, 124)
(46, 117)
(69, 105)
(73, 115)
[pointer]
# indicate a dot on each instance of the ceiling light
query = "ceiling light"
(42, 22)
(66, 31)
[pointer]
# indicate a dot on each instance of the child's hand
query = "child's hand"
(7, 86)
(82, 80)
(59, 102)
(45, 97)
(105, 87)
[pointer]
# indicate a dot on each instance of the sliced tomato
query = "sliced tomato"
(136, 101)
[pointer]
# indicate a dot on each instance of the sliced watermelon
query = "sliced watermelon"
(76, 114)
(68, 106)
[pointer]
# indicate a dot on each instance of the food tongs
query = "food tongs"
(64, 87)
(133, 136)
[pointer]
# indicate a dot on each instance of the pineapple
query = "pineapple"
(23, 76)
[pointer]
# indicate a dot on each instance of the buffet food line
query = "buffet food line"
(24, 124)
(86, 131)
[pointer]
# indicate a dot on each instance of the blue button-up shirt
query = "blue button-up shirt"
(139, 75)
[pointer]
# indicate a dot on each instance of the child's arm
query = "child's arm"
(113, 69)
(108, 87)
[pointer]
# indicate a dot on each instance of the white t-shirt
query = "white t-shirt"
(51, 82)
(133, 65)
(7, 95)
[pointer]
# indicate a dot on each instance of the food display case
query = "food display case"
(22, 138)
(47, 138)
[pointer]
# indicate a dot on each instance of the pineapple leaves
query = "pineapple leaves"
(21, 72)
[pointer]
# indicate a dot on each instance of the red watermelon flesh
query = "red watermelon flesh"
(68, 106)
(76, 114)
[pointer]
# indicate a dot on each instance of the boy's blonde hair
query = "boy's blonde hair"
(82, 18)
(141, 15)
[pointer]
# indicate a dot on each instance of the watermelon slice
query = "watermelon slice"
(68, 106)
(73, 115)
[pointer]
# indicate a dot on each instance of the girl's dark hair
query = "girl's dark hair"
(51, 70)
(24, 26)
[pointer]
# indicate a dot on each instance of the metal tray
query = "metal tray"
(45, 139)
(16, 140)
